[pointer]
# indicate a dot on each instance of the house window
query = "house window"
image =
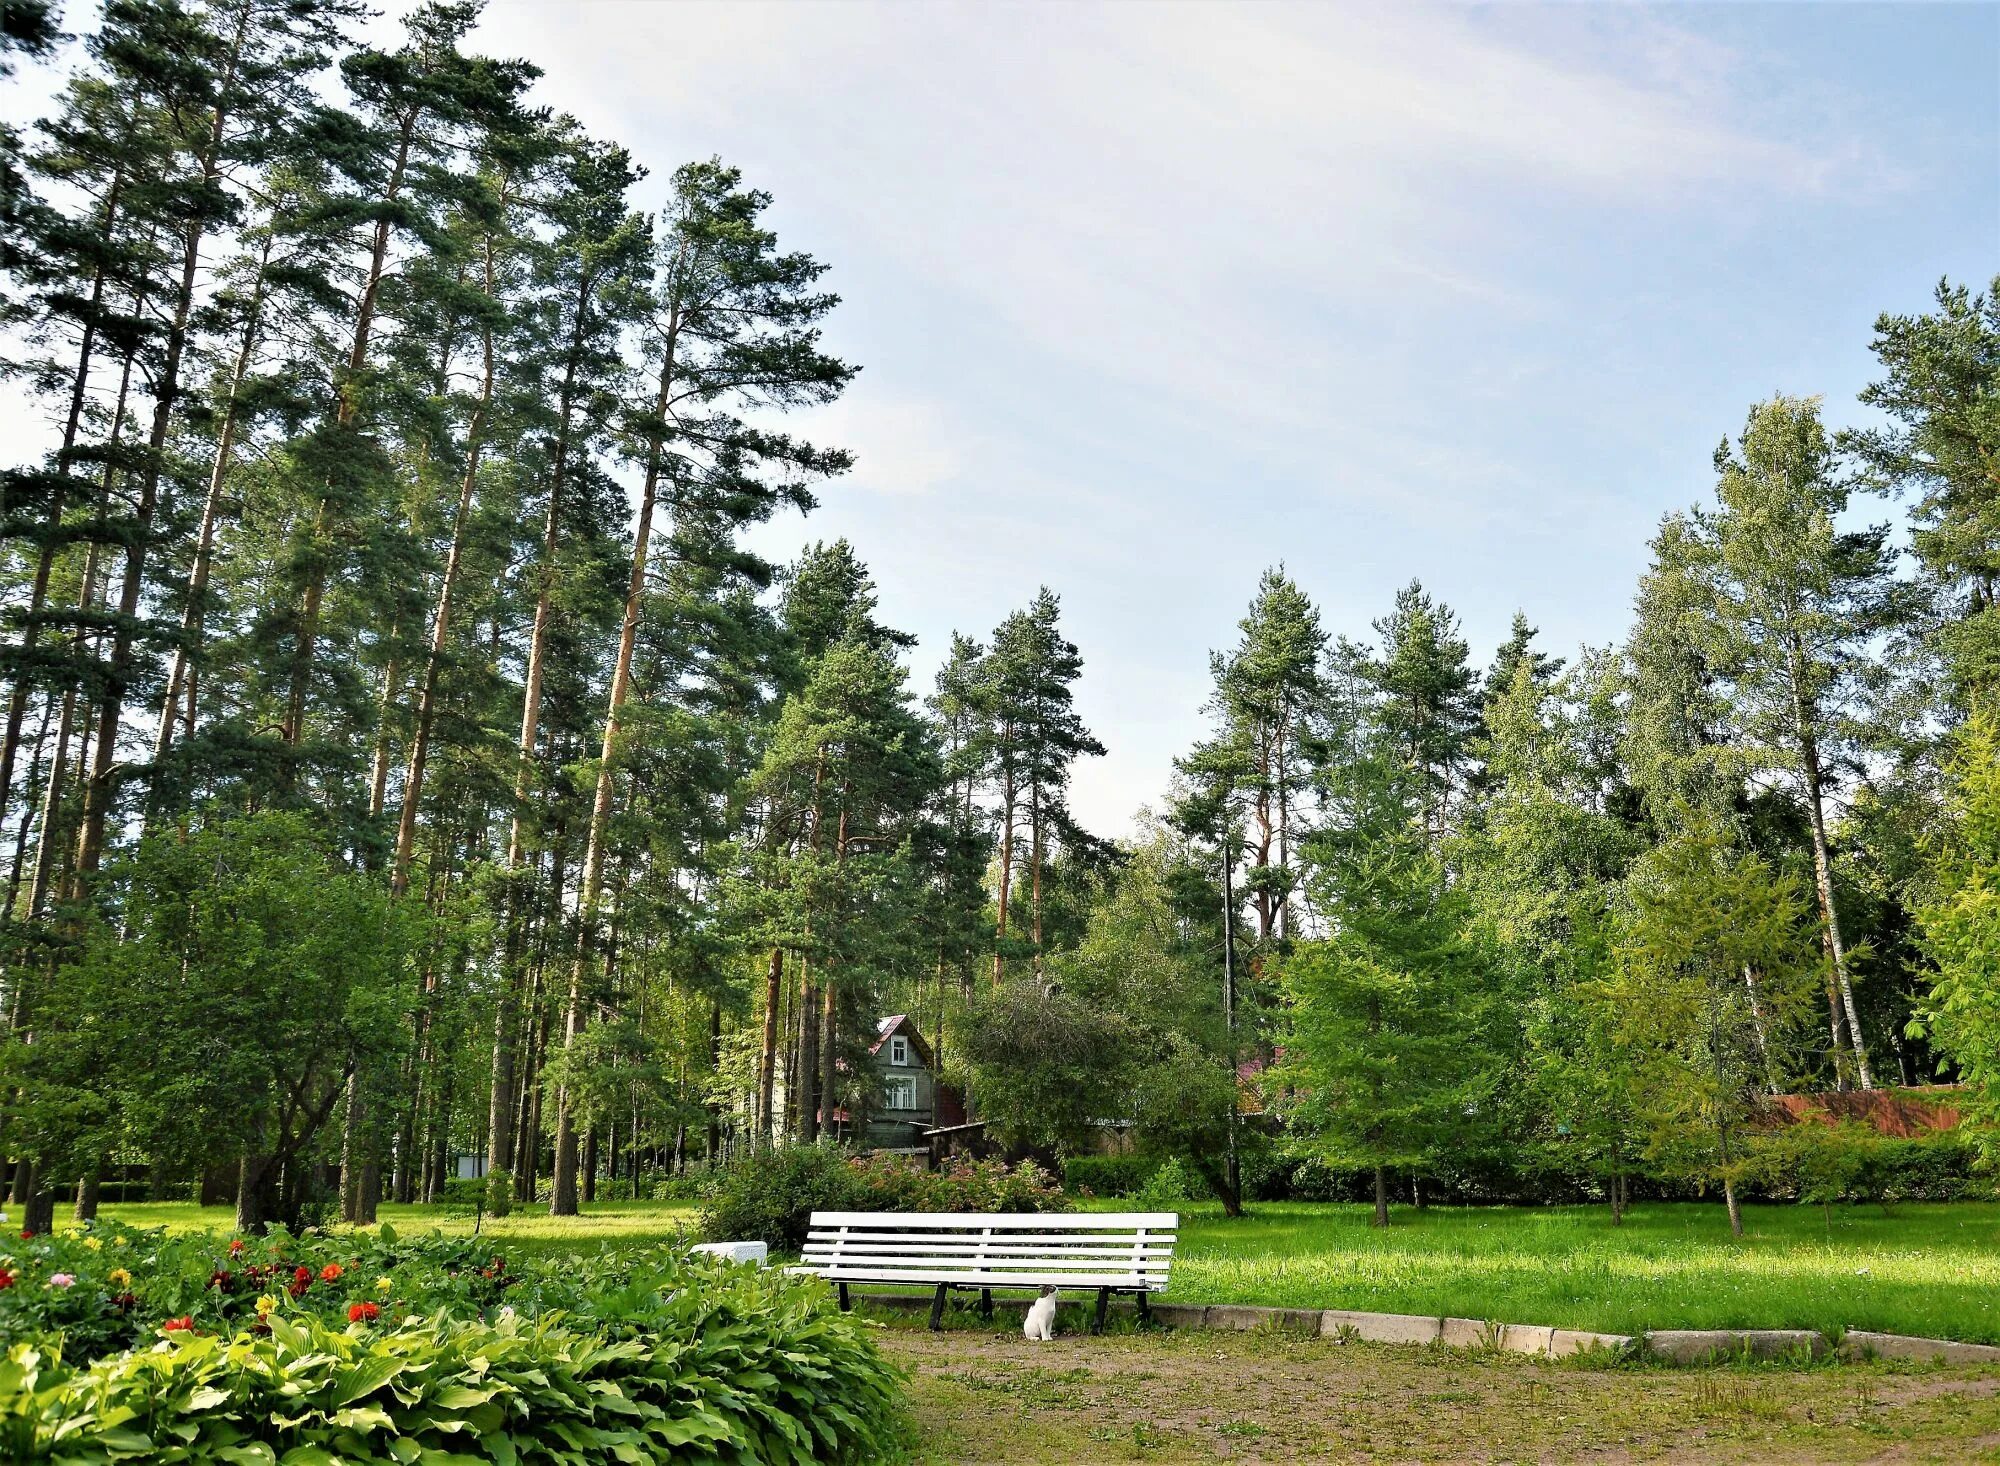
(900, 1093)
(899, 1051)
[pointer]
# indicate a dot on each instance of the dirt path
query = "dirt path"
(990, 1396)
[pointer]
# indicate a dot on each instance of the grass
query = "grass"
(1928, 1269)
(1922, 1269)
(604, 1224)
(989, 1395)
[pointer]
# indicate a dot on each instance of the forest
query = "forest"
(407, 755)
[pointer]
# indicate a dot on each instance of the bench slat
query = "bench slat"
(995, 1251)
(999, 1221)
(961, 1264)
(1151, 1283)
(1010, 1239)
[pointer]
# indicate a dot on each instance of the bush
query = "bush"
(1169, 1186)
(665, 1186)
(1850, 1162)
(770, 1196)
(468, 1192)
(1107, 1175)
(499, 1194)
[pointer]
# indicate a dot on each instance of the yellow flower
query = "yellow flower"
(265, 1303)
(95, 1244)
(118, 1278)
(385, 1286)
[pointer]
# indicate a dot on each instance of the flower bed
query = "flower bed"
(127, 1345)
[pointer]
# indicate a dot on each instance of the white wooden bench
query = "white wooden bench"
(1112, 1252)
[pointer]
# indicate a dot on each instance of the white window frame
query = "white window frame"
(899, 1051)
(899, 1086)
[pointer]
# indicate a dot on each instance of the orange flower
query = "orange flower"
(362, 1313)
(329, 1273)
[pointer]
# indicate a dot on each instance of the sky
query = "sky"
(1149, 297)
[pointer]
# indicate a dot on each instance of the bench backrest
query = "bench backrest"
(995, 1249)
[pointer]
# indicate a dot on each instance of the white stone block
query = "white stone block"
(753, 1253)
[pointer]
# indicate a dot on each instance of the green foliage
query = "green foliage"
(770, 1196)
(1391, 1048)
(1960, 922)
(499, 1194)
(1169, 1186)
(348, 1342)
(1940, 390)
(1107, 1175)
(300, 964)
(726, 1364)
(1825, 1164)
(1714, 980)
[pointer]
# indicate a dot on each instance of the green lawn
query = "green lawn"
(1930, 1269)
(1918, 1269)
(530, 1229)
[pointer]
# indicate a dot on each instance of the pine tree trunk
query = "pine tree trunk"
(1823, 867)
(180, 675)
(166, 388)
(420, 738)
(1006, 869)
(767, 1053)
(345, 411)
(87, 1191)
(828, 1056)
(17, 701)
(1381, 1218)
(563, 1202)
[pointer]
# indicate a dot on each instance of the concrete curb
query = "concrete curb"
(1860, 1344)
(1673, 1346)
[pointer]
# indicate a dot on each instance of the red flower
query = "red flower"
(26, 1235)
(362, 1313)
(6, 1278)
(304, 1275)
(329, 1273)
(222, 1278)
(236, 1248)
(183, 1324)
(125, 1302)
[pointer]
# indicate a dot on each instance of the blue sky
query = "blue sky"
(1149, 297)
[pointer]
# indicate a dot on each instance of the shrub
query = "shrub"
(770, 1196)
(665, 1186)
(1107, 1175)
(1168, 1186)
(499, 1194)
(466, 1192)
(1849, 1162)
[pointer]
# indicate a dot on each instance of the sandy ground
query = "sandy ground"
(985, 1395)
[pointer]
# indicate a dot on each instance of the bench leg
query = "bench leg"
(845, 1302)
(986, 1303)
(937, 1310)
(1103, 1306)
(1145, 1313)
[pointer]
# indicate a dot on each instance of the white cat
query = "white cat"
(1041, 1322)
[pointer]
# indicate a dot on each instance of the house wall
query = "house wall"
(896, 1129)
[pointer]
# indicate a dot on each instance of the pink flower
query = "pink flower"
(62, 1280)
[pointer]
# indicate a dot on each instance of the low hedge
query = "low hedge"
(1107, 1175)
(770, 1196)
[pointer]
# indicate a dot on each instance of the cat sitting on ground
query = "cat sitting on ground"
(1041, 1322)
